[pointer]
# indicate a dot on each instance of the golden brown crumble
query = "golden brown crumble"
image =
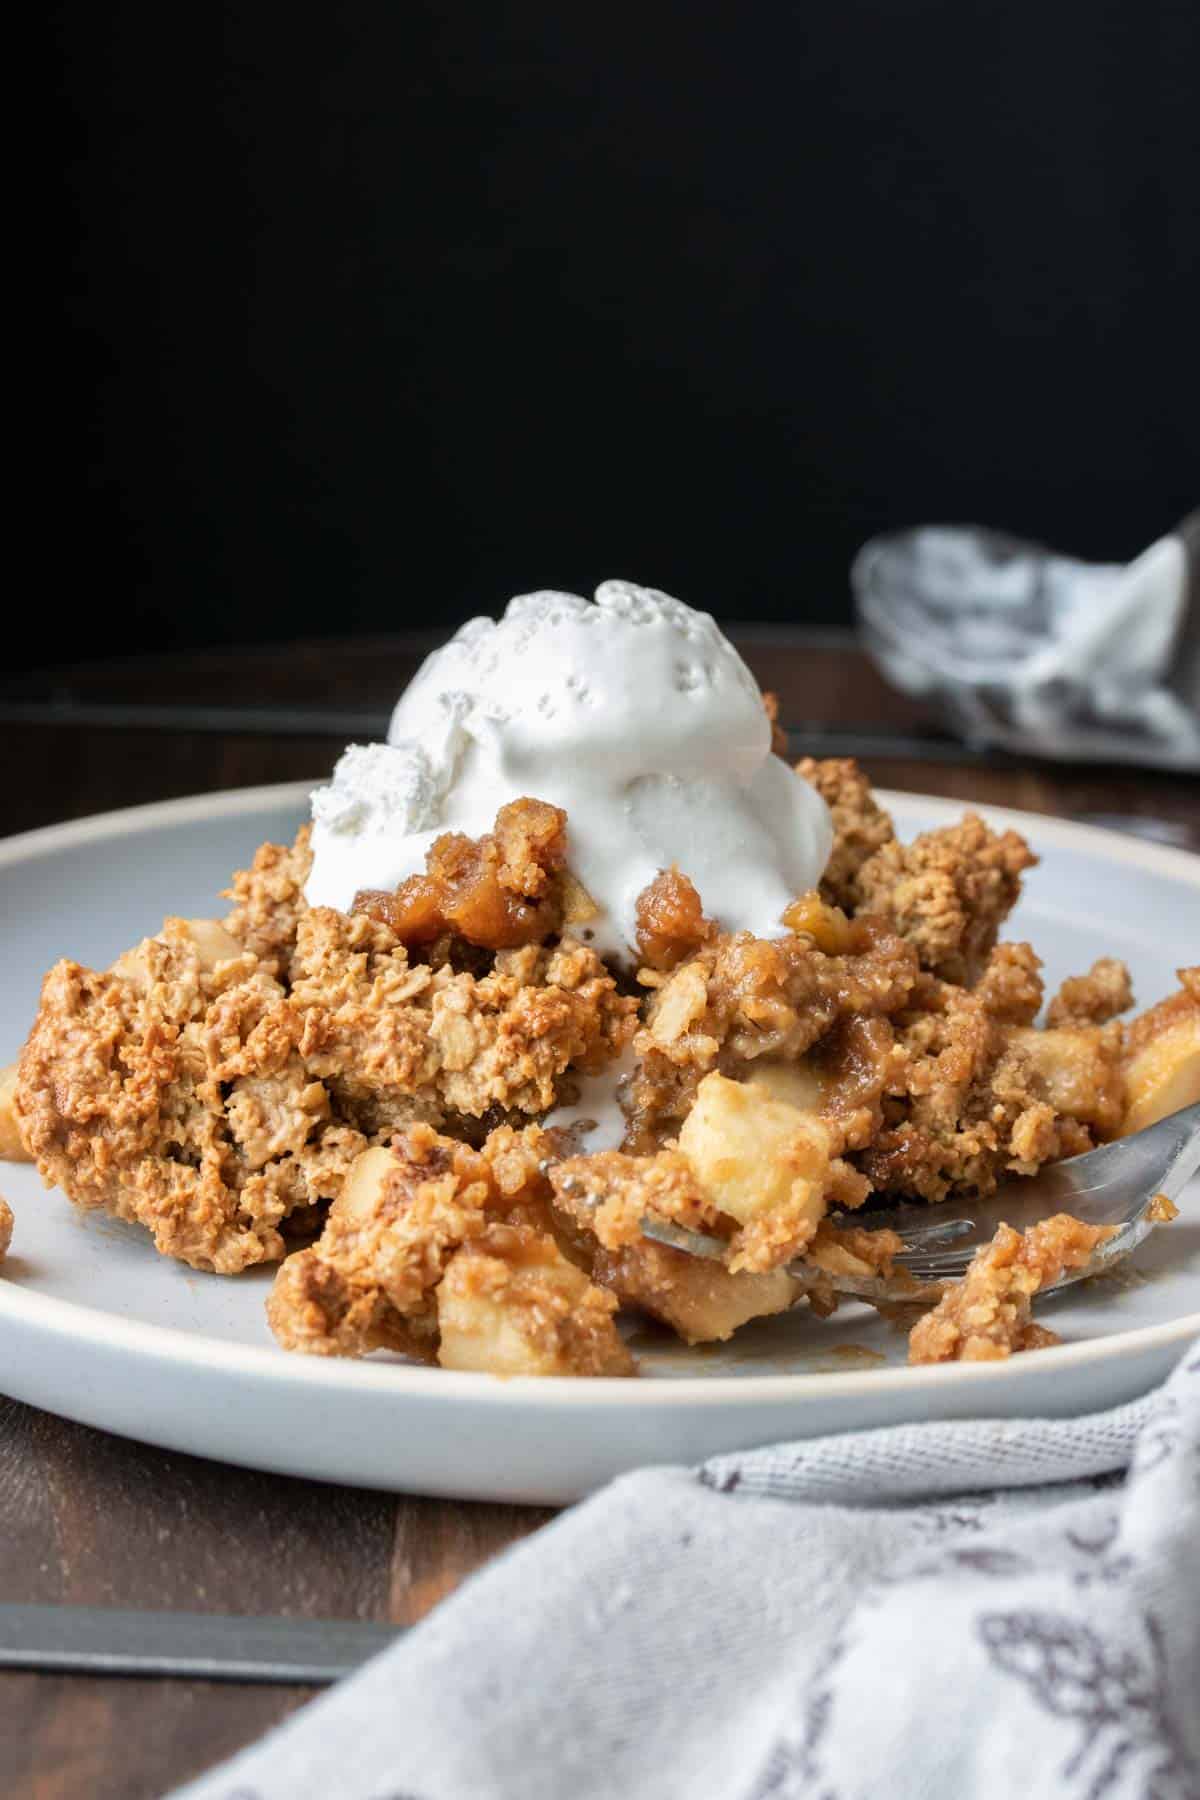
(1010, 988)
(269, 900)
(170, 1091)
(6, 1227)
(609, 1194)
(12, 1147)
(981, 1093)
(426, 1212)
(948, 892)
(1094, 998)
(185, 1089)
(369, 1086)
(743, 1002)
(368, 1281)
(401, 1041)
(987, 1315)
(860, 825)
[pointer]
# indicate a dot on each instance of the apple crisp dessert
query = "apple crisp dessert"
(390, 1102)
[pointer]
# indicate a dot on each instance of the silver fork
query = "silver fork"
(1113, 1185)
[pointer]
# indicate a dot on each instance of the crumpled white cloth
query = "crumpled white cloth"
(1035, 652)
(943, 1611)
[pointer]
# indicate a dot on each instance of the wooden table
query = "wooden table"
(86, 1518)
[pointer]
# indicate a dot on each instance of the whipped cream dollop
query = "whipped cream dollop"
(632, 712)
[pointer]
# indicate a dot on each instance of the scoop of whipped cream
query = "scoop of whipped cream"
(634, 713)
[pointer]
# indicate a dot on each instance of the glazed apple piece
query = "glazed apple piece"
(511, 1304)
(699, 1299)
(367, 1283)
(763, 1163)
(1162, 1057)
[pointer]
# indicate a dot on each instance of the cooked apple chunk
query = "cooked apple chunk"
(6, 1225)
(750, 1168)
(1162, 1057)
(433, 1248)
(511, 1304)
(762, 1162)
(1075, 1070)
(796, 1084)
(367, 1283)
(699, 1299)
(12, 1149)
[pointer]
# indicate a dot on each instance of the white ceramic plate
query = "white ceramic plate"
(95, 1325)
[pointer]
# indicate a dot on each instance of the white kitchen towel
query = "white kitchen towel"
(925, 1612)
(1037, 653)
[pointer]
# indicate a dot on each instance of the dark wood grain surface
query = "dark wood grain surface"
(89, 1518)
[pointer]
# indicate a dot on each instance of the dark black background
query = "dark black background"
(375, 314)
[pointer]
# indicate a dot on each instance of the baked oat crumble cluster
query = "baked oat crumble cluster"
(369, 1099)
(987, 1315)
(12, 1148)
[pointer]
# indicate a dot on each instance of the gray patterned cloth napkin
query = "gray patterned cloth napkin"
(943, 1611)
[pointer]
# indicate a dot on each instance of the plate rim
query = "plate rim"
(69, 1319)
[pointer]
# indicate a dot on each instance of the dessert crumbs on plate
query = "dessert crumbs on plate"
(856, 1355)
(902, 1315)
